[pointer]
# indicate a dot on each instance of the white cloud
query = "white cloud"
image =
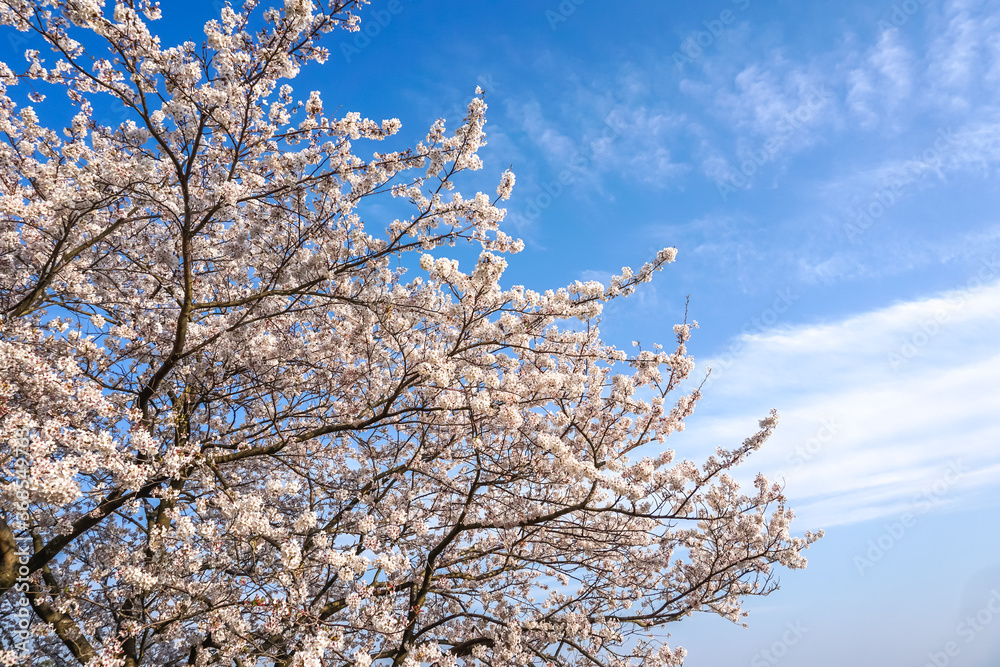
(603, 136)
(864, 206)
(764, 97)
(953, 56)
(876, 409)
(554, 145)
(775, 109)
(646, 137)
(971, 146)
(882, 82)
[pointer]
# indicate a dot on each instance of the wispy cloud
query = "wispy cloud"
(874, 407)
(882, 82)
(767, 112)
(955, 53)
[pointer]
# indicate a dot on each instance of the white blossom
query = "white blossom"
(247, 431)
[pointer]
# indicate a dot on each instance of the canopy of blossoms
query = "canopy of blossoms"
(240, 425)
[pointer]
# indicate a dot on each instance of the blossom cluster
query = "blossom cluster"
(264, 431)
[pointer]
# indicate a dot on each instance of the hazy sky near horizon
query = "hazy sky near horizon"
(829, 174)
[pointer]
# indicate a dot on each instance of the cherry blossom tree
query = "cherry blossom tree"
(242, 426)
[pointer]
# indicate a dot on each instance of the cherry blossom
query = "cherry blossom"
(264, 430)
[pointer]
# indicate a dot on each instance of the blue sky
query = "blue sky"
(829, 174)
